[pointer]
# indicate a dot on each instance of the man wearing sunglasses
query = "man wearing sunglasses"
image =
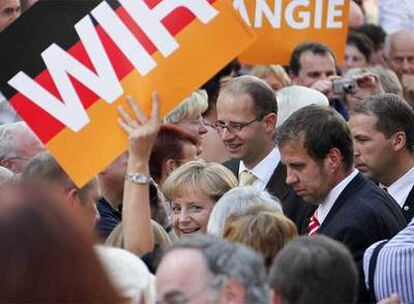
(247, 116)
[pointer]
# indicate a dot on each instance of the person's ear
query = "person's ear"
(169, 166)
(399, 141)
(72, 197)
(334, 159)
(233, 292)
(270, 122)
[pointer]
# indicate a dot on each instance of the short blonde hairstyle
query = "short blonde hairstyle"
(212, 179)
(278, 71)
(261, 228)
(189, 109)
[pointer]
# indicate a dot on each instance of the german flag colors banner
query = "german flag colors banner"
(66, 66)
(282, 24)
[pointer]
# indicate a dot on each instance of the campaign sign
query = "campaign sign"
(66, 66)
(283, 24)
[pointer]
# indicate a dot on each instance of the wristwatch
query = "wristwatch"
(139, 178)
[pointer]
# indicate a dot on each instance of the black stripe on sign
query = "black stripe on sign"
(47, 22)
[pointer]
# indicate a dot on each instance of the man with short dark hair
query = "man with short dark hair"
(316, 146)
(313, 65)
(382, 127)
(208, 270)
(247, 116)
(313, 270)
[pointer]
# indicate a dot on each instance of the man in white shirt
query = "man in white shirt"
(247, 116)
(382, 127)
(316, 146)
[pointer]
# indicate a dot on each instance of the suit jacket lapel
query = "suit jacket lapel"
(356, 183)
(276, 184)
(408, 208)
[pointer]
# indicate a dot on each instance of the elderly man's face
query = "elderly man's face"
(401, 54)
(10, 10)
(183, 277)
(26, 146)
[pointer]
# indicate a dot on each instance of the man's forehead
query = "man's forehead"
(308, 57)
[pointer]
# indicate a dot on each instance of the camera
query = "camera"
(341, 87)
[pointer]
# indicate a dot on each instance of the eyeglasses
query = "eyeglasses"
(232, 127)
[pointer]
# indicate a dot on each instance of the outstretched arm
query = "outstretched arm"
(136, 214)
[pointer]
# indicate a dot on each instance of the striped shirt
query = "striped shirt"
(394, 272)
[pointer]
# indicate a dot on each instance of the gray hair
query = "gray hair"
(5, 175)
(231, 262)
(7, 138)
(390, 37)
(388, 79)
(314, 270)
(236, 200)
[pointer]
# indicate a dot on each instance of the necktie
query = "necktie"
(313, 226)
(246, 178)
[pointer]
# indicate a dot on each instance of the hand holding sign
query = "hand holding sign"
(141, 131)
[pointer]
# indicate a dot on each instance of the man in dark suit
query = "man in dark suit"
(316, 146)
(382, 127)
(247, 115)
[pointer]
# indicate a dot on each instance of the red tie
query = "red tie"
(313, 227)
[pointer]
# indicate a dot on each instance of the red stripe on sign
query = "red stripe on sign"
(45, 125)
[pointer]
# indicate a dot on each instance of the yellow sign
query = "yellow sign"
(283, 24)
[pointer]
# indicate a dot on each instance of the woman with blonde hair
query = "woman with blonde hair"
(193, 189)
(261, 228)
(274, 75)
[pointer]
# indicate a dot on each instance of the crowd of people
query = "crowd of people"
(269, 184)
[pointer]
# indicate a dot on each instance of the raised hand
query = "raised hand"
(142, 131)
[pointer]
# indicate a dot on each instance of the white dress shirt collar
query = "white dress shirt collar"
(326, 206)
(264, 169)
(401, 188)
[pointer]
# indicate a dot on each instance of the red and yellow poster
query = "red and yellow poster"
(282, 24)
(70, 64)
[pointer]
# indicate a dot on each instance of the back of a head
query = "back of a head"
(262, 229)
(168, 145)
(231, 262)
(44, 168)
(129, 273)
(375, 32)
(293, 98)
(46, 256)
(388, 79)
(235, 200)
(262, 95)
(321, 129)
(314, 270)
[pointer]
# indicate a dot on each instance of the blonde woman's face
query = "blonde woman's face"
(191, 212)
